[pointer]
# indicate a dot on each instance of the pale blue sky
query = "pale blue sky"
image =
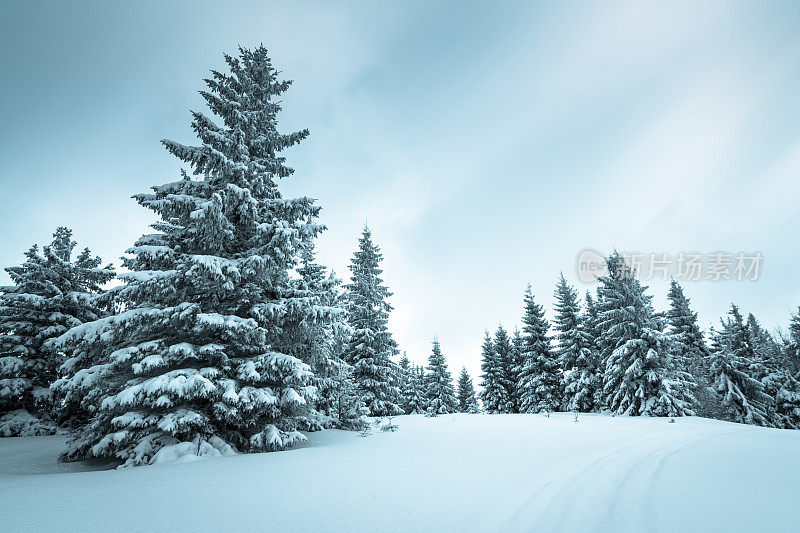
(485, 143)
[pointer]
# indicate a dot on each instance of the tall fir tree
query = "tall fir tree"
(466, 393)
(515, 367)
(494, 394)
(403, 381)
(640, 377)
(731, 365)
(415, 393)
(371, 347)
(591, 318)
(51, 293)
(768, 365)
(692, 352)
(787, 402)
(575, 351)
(317, 342)
(508, 372)
(199, 362)
(791, 347)
(787, 399)
(346, 405)
(540, 376)
(440, 396)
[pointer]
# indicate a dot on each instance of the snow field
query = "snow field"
(452, 472)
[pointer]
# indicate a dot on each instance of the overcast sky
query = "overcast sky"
(486, 144)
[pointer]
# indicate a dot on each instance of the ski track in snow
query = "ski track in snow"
(613, 486)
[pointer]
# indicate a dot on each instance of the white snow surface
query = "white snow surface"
(453, 472)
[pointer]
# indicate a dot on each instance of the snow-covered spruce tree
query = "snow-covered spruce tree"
(591, 318)
(732, 358)
(350, 411)
(317, 342)
(345, 400)
(540, 376)
(574, 350)
(52, 292)
(396, 382)
(413, 391)
(466, 393)
(505, 358)
(567, 325)
(791, 345)
(513, 369)
(403, 381)
(591, 321)
(493, 393)
(199, 360)
(787, 399)
(415, 394)
(371, 346)
(768, 365)
(787, 402)
(640, 377)
(692, 352)
(439, 394)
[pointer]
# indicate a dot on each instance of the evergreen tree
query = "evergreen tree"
(692, 353)
(371, 345)
(466, 393)
(574, 351)
(347, 407)
(768, 365)
(732, 362)
(567, 325)
(787, 399)
(493, 394)
(640, 377)
(412, 387)
(591, 320)
(404, 364)
(791, 348)
(513, 369)
(199, 362)
(318, 342)
(52, 292)
(404, 380)
(416, 391)
(440, 397)
(507, 371)
(540, 376)
(787, 402)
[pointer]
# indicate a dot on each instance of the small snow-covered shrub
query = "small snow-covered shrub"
(21, 423)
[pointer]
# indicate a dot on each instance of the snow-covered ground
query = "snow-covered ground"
(464, 472)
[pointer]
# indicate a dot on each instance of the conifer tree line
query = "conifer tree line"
(613, 353)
